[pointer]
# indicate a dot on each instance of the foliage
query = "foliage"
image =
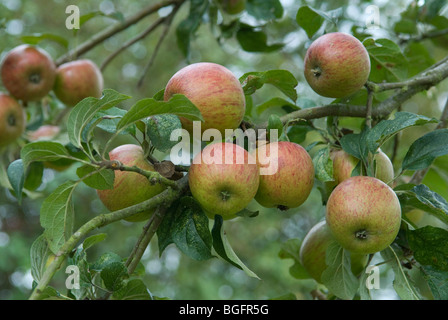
(405, 88)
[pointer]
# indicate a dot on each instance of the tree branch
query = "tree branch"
(162, 199)
(114, 29)
(405, 90)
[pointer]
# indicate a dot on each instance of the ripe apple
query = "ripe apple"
(224, 179)
(363, 214)
(232, 6)
(130, 188)
(12, 119)
(215, 91)
(344, 163)
(336, 65)
(313, 250)
(76, 80)
(293, 180)
(28, 72)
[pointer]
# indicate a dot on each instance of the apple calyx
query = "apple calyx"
(225, 195)
(361, 234)
(35, 78)
(12, 120)
(282, 207)
(317, 72)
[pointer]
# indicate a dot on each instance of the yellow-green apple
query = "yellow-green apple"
(129, 187)
(292, 177)
(344, 163)
(363, 214)
(28, 73)
(12, 119)
(313, 250)
(232, 6)
(224, 179)
(215, 91)
(336, 65)
(76, 80)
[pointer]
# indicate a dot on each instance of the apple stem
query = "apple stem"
(361, 234)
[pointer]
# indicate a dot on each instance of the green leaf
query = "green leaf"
(36, 38)
(43, 151)
(135, 289)
(356, 144)
(253, 39)
(385, 129)
(57, 215)
(92, 240)
(274, 123)
(310, 20)
(223, 248)
(39, 254)
(104, 260)
(338, 276)
(402, 284)
(186, 225)
(425, 149)
(178, 105)
(387, 61)
(275, 103)
(437, 281)
(81, 114)
(188, 27)
(107, 120)
(96, 178)
(290, 250)
(264, 9)
(16, 176)
(421, 197)
(159, 129)
(281, 79)
(323, 165)
(430, 246)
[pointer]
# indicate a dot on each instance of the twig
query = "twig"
(148, 233)
(126, 45)
(114, 29)
(369, 108)
(167, 21)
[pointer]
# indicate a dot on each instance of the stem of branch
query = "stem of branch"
(114, 29)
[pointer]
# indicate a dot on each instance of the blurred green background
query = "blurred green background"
(257, 241)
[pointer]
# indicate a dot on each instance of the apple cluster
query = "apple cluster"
(29, 74)
(363, 213)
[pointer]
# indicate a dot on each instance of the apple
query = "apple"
(344, 163)
(12, 119)
(130, 188)
(290, 185)
(363, 214)
(44, 132)
(313, 251)
(232, 6)
(336, 65)
(28, 73)
(76, 80)
(215, 91)
(224, 179)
